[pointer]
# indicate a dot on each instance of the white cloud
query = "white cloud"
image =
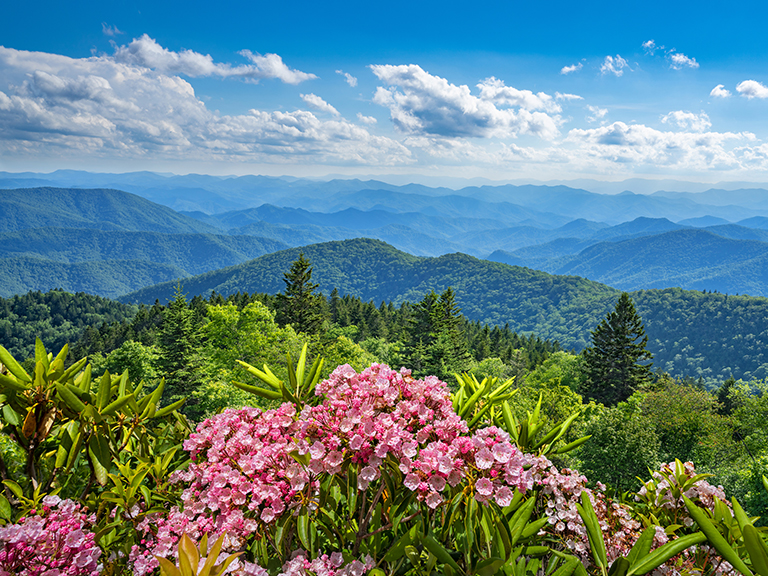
(101, 107)
(597, 113)
(351, 80)
(650, 47)
(752, 89)
(108, 30)
(318, 103)
(688, 120)
(370, 120)
(571, 69)
(567, 97)
(496, 91)
(420, 103)
(638, 145)
(147, 53)
(680, 61)
(719, 91)
(614, 66)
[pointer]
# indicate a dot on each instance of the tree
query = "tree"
(613, 364)
(300, 305)
(179, 341)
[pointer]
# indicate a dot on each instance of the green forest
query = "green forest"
(108, 434)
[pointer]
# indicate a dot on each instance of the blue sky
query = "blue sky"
(502, 90)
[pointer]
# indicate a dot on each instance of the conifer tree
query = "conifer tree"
(300, 305)
(179, 341)
(616, 362)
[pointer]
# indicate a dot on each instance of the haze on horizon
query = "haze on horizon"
(507, 92)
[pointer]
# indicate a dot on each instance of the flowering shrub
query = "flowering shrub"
(54, 540)
(251, 469)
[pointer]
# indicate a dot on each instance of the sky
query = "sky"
(501, 90)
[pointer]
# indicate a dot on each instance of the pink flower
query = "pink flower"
(484, 487)
(484, 459)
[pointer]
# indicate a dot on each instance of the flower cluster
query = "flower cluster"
(325, 565)
(251, 466)
(54, 540)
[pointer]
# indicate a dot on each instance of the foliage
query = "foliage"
(300, 305)
(613, 363)
(622, 448)
(56, 317)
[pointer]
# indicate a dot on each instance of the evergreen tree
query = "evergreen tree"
(179, 342)
(614, 363)
(300, 305)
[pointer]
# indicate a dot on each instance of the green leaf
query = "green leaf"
(113, 407)
(13, 367)
(715, 538)
(263, 392)
(573, 445)
(5, 508)
(170, 408)
(642, 547)
(104, 393)
(664, 553)
(594, 532)
(8, 383)
(70, 399)
(10, 415)
(15, 488)
(756, 549)
(302, 528)
(442, 555)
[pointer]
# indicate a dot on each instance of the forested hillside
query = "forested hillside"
(692, 333)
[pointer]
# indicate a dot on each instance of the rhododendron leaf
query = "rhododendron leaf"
(568, 567)
(715, 538)
(168, 409)
(41, 356)
(483, 411)
(5, 508)
(13, 367)
(667, 551)
(489, 566)
(533, 527)
(113, 407)
(440, 552)
(765, 483)
(188, 556)
(739, 514)
(105, 391)
(263, 392)
(398, 548)
(594, 532)
(74, 452)
(756, 549)
(573, 445)
(101, 458)
(122, 386)
(107, 529)
(300, 366)
(45, 424)
(520, 519)
(302, 528)
(503, 388)
(69, 398)
(167, 568)
(642, 547)
(7, 383)
(10, 415)
(619, 567)
(74, 369)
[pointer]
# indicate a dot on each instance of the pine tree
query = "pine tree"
(300, 305)
(179, 341)
(616, 362)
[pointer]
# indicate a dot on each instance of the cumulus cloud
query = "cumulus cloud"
(688, 120)
(103, 106)
(370, 120)
(351, 80)
(596, 113)
(640, 145)
(571, 69)
(614, 66)
(650, 47)
(719, 91)
(146, 52)
(108, 30)
(752, 89)
(567, 97)
(318, 103)
(420, 103)
(678, 61)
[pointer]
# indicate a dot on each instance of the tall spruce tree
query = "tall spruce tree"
(300, 306)
(616, 363)
(179, 341)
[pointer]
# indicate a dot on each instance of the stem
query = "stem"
(30, 468)
(389, 526)
(365, 520)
